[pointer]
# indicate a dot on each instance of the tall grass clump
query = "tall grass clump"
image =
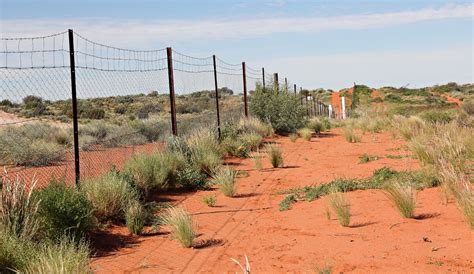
(167, 168)
(64, 210)
(15, 253)
(141, 166)
(109, 195)
(68, 256)
(205, 151)
(408, 127)
(181, 224)
(316, 125)
(306, 134)
(404, 198)
(18, 209)
(225, 179)
(135, 216)
(342, 207)
(276, 156)
(351, 136)
(253, 125)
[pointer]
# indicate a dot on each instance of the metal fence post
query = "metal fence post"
(294, 88)
(217, 97)
(286, 85)
(169, 54)
(77, 165)
(263, 78)
(246, 111)
(276, 85)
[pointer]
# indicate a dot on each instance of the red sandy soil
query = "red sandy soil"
(297, 240)
(93, 164)
(452, 99)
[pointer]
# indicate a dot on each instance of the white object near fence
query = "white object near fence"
(343, 107)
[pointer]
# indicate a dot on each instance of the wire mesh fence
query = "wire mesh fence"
(123, 102)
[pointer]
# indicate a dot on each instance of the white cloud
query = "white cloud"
(395, 68)
(145, 34)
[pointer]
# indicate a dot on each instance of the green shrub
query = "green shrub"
(19, 211)
(403, 196)
(64, 210)
(152, 129)
(34, 106)
(252, 141)
(225, 179)
(283, 111)
(69, 256)
(209, 200)
(275, 155)
(191, 177)
(365, 158)
(181, 224)
(109, 195)
(135, 217)
(341, 207)
(91, 112)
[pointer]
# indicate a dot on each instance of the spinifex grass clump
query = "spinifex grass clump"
(306, 134)
(135, 216)
(293, 137)
(109, 196)
(18, 209)
(181, 224)
(225, 179)
(286, 203)
(275, 155)
(351, 136)
(342, 207)
(365, 158)
(68, 256)
(404, 198)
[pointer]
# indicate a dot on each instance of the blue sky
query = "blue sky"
(328, 44)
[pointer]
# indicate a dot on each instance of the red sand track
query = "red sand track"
(297, 240)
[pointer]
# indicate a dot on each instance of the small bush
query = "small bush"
(341, 207)
(306, 134)
(181, 224)
(351, 136)
(205, 151)
(209, 200)
(166, 169)
(403, 197)
(109, 195)
(275, 155)
(19, 211)
(91, 112)
(236, 147)
(253, 125)
(69, 256)
(64, 210)
(225, 179)
(135, 217)
(252, 141)
(293, 137)
(365, 158)
(257, 161)
(282, 110)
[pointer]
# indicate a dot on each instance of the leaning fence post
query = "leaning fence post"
(276, 85)
(169, 55)
(263, 78)
(72, 63)
(217, 97)
(246, 111)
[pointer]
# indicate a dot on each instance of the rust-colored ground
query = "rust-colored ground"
(297, 240)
